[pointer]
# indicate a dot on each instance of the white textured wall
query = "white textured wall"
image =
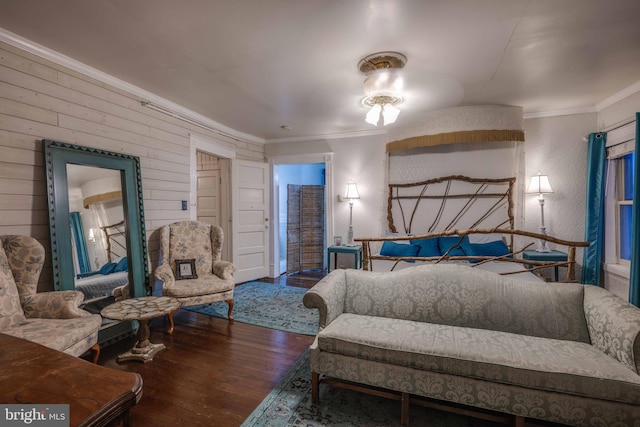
(39, 99)
(363, 161)
(555, 146)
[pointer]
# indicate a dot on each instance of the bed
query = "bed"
(100, 284)
(459, 219)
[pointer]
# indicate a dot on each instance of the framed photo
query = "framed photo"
(337, 240)
(186, 269)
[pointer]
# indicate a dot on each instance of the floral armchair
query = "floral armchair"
(53, 319)
(199, 245)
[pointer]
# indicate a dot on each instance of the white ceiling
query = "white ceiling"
(257, 65)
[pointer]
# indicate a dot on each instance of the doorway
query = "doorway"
(299, 176)
(212, 195)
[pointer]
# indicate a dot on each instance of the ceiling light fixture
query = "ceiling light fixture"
(382, 86)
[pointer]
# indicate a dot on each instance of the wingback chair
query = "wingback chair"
(201, 243)
(53, 319)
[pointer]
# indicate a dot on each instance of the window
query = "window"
(624, 206)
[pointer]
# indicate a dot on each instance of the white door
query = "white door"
(250, 220)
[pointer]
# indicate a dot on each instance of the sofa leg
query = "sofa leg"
(519, 421)
(171, 324)
(315, 388)
(96, 352)
(404, 409)
(229, 315)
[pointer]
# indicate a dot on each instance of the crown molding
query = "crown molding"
(628, 91)
(344, 135)
(554, 113)
(19, 42)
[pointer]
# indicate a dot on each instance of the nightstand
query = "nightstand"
(533, 255)
(355, 250)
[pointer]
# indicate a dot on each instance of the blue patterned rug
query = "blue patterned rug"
(289, 404)
(268, 305)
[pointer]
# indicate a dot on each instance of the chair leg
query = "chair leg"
(315, 388)
(171, 324)
(96, 353)
(229, 315)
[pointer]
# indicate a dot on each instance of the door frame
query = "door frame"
(294, 159)
(210, 146)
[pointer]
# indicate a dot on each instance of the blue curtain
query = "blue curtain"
(594, 220)
(78, 239)
(634, 281)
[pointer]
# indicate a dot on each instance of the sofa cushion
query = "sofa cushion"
(11, 313)
(59, 334)
(459, 295)
(539, 363)
(203, 285)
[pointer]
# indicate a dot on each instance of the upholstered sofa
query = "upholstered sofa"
(561, 352)
(53, 319)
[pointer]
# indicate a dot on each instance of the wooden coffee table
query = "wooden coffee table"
(33, 374)
(141, 309)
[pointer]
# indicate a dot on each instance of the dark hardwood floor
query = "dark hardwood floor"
(212, 373)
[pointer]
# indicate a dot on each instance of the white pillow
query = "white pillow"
(400, 242)
(484, 238)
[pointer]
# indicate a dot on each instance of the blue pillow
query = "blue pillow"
(428, 247)
(397, 249)
(446, 242)
(495, 248)
(108, 268)
(122, 265)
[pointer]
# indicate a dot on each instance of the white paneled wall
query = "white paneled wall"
(40, 99)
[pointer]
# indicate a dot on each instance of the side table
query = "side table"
(533, 255)
(141, 309)
(355, 250)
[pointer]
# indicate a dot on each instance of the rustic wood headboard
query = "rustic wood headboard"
(450, 202)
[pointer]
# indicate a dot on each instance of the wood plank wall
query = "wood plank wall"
(40, 99)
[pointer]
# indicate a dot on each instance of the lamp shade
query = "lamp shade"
(539, 184)
(352, 191)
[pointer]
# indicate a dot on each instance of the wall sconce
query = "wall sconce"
(351, 193)
(539, 184)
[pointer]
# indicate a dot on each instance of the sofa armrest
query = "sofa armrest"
(54, 305)
(223, 269)
(328, 296)
(164, 273)
(614, 326)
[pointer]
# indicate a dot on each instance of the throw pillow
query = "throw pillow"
(108, 268)
(11, 313)
(446, 242)
(396, 249)
(122, 265)
(428, 247)
(496, 248)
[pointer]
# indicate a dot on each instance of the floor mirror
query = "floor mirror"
(96, 222)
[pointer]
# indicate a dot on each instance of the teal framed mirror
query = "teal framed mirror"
(63, 161)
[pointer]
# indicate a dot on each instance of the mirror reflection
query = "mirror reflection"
(98, 238)
(103, 251)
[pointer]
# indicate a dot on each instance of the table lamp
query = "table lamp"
(539, 184)
(351, 194)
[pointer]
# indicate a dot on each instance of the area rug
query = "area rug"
(289, 404)
(269, 305)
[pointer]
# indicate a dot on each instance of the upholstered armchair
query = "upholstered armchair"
(194, 244)
(53, 319)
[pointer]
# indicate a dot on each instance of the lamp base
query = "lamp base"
(350, 236)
